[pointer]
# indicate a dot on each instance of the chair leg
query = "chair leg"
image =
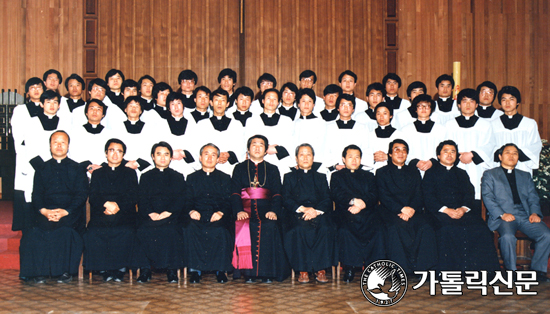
(185, 273)
(338, 270)
(293, 274)
(90, 276)
(333, 271)
(179, 274)
(130, 273)
(81, 269)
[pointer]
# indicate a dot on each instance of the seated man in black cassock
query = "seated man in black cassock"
(411, 239)
(111, 231)
(54, 246)
(208, 239)
(161, 202)
(360, 229)
(464, 241)
(309, 232)
(258, 204)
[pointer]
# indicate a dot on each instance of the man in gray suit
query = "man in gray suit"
(513, 204)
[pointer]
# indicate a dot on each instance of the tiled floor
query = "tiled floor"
(238, 297)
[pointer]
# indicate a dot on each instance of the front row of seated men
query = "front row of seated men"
(261, 229)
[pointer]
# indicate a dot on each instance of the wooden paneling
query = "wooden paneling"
(162, 38)
(12, 41)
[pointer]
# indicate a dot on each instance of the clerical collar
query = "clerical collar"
(399, 167)
(113, 168)
(59, 160)
(304, 170)
(509, 170)
(466, 122)
(484, 107)
(116, 93)
(511, 122)
(133, 122)
(423, 126)
(202, 113)
(345, 121)
(93, 125)
(391, 97)
(242, 112)
(329, 110)
(269, 115)
(384, 131)
(50, 116)
(383, 127)
(93, 128)
(287, 107)
(188, 96)
(423, 121)
(177, 118)
(347, 124)
(147, 100)
(219, 117)
(446, 167)
(37, 104)
(161, 170)
(311, 116)
(208, 172)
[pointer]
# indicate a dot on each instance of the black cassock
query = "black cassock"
(55, 248)
(309, 244)
(209, 245)
(109, 239)
(412, 244)
(465, 243)
(160, 242)
(360, 236)
(267, 252)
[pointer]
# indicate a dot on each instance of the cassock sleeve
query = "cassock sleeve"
(467, 189)
(429, 188)
(391, 203)
(288, 201)
(325, 203)
(275, 187)
(339, 191)
(79, 189)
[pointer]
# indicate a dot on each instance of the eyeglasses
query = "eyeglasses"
(112, 150)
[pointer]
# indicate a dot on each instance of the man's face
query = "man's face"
(265, 85)
(423, 110)
(209, 157)
(399, 154)
(59, 145)
(383, 116)
(94, 113)
(202, 100)
(345, 110)
(271, 101)
(115, 82)
(306, 105)
(75, 89)
(52, 81)
(133, 110)
(97, 92)
(35, 91)
(392, 86)
(467, 106)
(447, 156)
(445, 89)
(374, 98)
(306, 82)
(115, 153)
(415, 92)
(187, 86)
(509, 158)
(129, 91)
(162, 157)
(161, 97)
(219, 104)
(486, 96)
(227, 84)
(347, 84)
(176, 108)
(146, 88)
(289, 97)
(352, 159)
(51, 106)
(257, 150)
(508, 103)
(330, 100)
(305, 158)
(243, 102)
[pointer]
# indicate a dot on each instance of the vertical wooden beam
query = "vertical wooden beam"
(391, 20)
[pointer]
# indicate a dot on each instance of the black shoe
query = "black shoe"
(267, 280)
(108, 276)
(118, 275)
(172, 276)
(542, 277)
(194, 277)
(348, 275)
(65, 278)
(40, 279)
(221, 277)
(144, 275)
(249, 279)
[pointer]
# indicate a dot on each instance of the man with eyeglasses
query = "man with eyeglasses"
(265, 81)
(308, 79)
(188, 80)
(487, 92)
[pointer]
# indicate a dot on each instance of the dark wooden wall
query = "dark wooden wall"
(505, 41)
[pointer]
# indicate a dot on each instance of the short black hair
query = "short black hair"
(384, 105)
(309, 73)
(113, 72)
(397, 141)
(347, 72)
(352, 146)
(227, 72)
(290, 86)
(98, 82)
(304, 145)
(266, 142)
(201, 88)
(34, 81)
(211, 145)
(512, 90)
(424, 98)
(376, 86)
(467, 93)
(245, 91)
(130, 99)
(267, 77)
(332, 89)
(162, 144)
(147, 77)
(219, 92)
(445, 77)
(61, 131)
(116, 141)
(53, 71)
(174, 96)
(76, 77)
(188, 75)
(347, 97)
(306, 91)
(271, 90)
(49, 94)
(161, 86)
(97, 101)
(487, 84)
(130, 83)
(391, 76)
(414, 85)
(447, 142)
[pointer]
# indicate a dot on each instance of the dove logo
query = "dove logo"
(384, 283)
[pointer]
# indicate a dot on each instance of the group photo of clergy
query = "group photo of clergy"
(137, 175)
